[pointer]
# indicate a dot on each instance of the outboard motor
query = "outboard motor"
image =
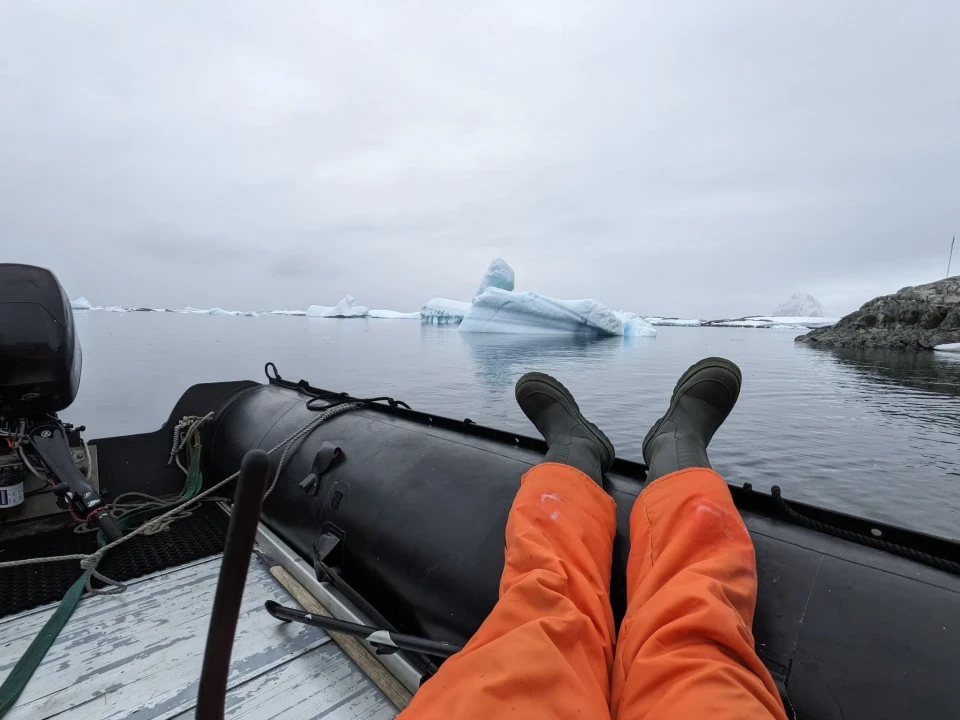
(39, 351)
(39, 376)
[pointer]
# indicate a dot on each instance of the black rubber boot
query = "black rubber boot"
(571, 439)
(702, 400)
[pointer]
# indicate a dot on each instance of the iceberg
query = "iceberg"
(634, 325)
(441, 311)
(288, 312)
(394, 315)
(81, 303)
(498, 275)
(800, 305)
(503, 311)
(346, 308)
(496, 308)
(948, 348)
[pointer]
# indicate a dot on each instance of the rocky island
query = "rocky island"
(920, 318)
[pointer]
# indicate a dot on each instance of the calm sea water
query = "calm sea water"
(874, 433)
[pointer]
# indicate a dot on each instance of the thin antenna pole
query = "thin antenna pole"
(952, 243)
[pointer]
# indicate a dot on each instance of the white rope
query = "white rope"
(119, 509)
(89, 562)
(192, 422)
(87, 459)
(32, 561)
(294, 440)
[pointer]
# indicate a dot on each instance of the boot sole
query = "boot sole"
(570, 405)
(678, 389)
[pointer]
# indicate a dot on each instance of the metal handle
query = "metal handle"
(386, 641)
(111, 531)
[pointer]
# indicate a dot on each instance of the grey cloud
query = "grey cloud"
(696, 159)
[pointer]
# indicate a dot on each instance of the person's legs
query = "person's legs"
(685, 648)
(546, 649)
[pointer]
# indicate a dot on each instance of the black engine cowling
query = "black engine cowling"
(39, 349)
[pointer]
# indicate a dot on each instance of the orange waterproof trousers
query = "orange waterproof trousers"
(546, 650)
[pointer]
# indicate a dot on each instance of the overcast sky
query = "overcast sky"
(704, 159)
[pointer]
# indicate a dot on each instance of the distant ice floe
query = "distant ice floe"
(189, 310)
(240, 313)
(775, 323)
(441, 311)
(673, 322)
(346, 308)
(948, 348)
(350, 308)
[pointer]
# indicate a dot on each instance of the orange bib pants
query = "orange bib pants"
(685, 648)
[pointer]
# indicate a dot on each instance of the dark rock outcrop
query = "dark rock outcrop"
(916, 317)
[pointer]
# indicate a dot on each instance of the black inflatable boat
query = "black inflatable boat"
(402, 512)
(855, 619)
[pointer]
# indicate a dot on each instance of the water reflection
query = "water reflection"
(909, 389)
(497, 360)
(933, 372)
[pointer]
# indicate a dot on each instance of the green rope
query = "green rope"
(135, 518)
(28, 663)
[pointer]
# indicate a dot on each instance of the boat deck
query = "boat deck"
(138, 655)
